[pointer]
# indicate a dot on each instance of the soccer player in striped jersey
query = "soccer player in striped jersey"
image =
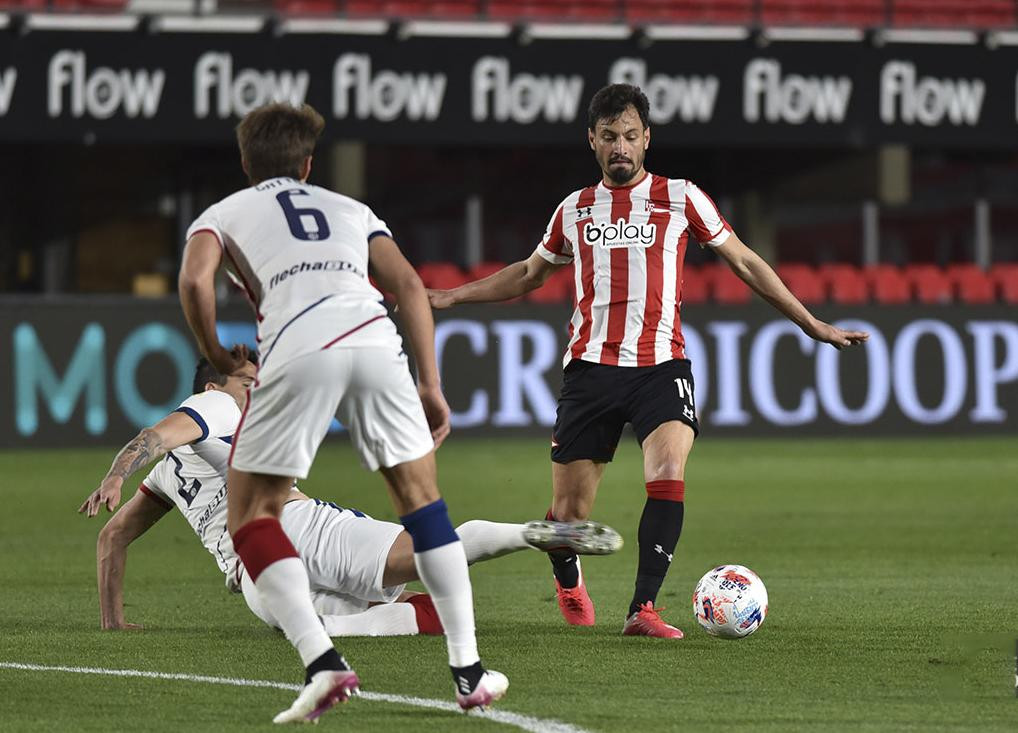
(357, 566)
(626, 236)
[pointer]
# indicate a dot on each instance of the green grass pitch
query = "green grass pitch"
(892, 568)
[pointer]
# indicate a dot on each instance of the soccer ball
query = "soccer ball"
(730, 601)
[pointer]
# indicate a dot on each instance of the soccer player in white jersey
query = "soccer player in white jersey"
(626, 236)
(302, 254)
(357, 566)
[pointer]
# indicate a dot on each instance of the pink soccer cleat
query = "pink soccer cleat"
(575, 604)
(325, 689)
(491, 687)
(647, 622)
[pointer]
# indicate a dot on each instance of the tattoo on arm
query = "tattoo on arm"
(141, 451)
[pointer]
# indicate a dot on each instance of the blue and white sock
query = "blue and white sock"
(442, 566)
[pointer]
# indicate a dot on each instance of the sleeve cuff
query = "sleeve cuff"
(720, 238)
(555, 259)
(198, 419)
(379, 233)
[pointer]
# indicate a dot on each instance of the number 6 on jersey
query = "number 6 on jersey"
(296, 217)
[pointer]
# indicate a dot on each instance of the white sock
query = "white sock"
(443, 570)
(286, 595)
(486, 540)
(389, 619)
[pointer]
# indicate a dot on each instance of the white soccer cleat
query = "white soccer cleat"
(491, 687)
(325, 689)
(583, 538)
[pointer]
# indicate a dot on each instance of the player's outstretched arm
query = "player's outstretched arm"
(132, 520)
(197, 289)
(510, 282)
(756, 273)
(173, 431)
(395, 275)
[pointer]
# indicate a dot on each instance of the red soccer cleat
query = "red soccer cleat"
(575, 604)
(647, 622)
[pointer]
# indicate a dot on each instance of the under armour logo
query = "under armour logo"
(584, 212)
(687, 411)
(660, 550)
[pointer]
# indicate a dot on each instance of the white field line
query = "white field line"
(523, 722)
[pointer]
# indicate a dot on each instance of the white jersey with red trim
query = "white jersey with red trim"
(193, 477)
(627, 245)
(301, 254)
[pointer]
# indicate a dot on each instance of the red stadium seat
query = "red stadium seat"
(833, 12)
(441, 275)
(727, 287)
(556, 289)
(689, 11)
(930, 283)
(694, 283)
(972, 284)
(1005, 275)
(888, 284)
(803, 281)
(307, 7)
(483, 269)
(954, 13)
(846, 283)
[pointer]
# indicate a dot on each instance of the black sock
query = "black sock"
(563, 563)
(330, 660)
(466, 678)
(660, 527)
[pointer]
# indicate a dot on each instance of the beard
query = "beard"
(621, 174)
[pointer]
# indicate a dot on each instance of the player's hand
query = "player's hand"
(229, 362)
(440, 299)
(108, 495)
(436, 409)
(836, 337)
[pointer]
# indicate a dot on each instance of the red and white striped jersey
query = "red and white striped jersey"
(627, 245)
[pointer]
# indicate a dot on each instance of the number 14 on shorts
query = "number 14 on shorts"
(686, 395)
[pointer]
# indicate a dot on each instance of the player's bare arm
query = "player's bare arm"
(173, 431)
(510, 282)
(197, 288)
(132, 520)
(395, 275)
(756, 273)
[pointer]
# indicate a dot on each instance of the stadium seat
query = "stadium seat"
(483, 269)
(810, 12)
(307, 7)
(846, 283)
(954, 13)
(556, 289)
(553, 10)
(929, 283)
(1005, 275)
(694, 283)
(888, 284)
(971, 284)
(441, 275)
(803, 281)
(727, 288)
(689, 11)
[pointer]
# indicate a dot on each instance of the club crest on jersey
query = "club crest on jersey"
(620, 234)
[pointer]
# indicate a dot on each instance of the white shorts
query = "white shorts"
(368, 388)
(344, 553)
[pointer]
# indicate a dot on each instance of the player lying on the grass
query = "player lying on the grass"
(358, 566)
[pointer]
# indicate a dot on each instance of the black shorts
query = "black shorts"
(598, 400)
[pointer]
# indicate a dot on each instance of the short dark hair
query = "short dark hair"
(611, 101)
(275, 139)
(204, 373)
